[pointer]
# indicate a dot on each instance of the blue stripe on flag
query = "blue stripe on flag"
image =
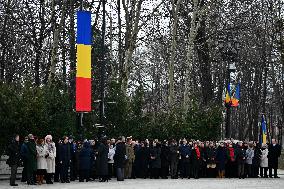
(84, 27)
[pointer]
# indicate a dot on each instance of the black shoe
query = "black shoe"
(276, 177)
(13, 184)
(67, 181)
(62, 181)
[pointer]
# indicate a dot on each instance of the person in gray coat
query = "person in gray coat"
(249, 157)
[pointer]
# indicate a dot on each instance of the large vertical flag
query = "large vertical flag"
(236, 98)
(228, 95)
(83, 75)
(263, 130)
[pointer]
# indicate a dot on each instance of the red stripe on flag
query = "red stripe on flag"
(83, 94)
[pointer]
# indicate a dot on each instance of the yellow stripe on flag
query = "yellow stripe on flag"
(83, 61)
(264, 138)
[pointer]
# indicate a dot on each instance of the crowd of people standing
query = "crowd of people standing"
(66, 160)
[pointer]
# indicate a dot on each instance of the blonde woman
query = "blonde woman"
(50, 158)
(41, 160)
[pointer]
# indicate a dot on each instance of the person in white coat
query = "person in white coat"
(41, 160)
(50, 159)
(264, 161)
(111, 153)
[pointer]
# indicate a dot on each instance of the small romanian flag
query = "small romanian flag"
(83, 74)
(236, 98)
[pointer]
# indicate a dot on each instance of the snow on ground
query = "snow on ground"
(203, 183)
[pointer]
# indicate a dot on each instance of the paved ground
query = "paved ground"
(164, 184)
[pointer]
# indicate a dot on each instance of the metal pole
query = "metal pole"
(102, 104)
(228, 110)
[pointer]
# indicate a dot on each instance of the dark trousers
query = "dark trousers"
(24, 173)
(84, 174)
(31, 177)
(64, 172)
(154, 173)
(13, 174)
(195, 169)
(255, 171)
(248, 170)
(73, 170)
(185, 171)
(110, 170)
(275, 172)
(120, 174)
(241, 170)
(57, 172)
(263, 171)
(164, 171)
(231, 169)
(174, 166)
(211, 172)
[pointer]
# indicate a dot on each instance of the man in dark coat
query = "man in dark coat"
(102, 158)
(13, 152)
(142, 159)
(241, 158)
(119, 158)
(174, 154)
(155, 160)
(185, 151)
(24, 151)
(85, 162)
(274, 152)
(211, 160)
(256, 160)
(64, 160)
(31, 160)
(165, 160)
(73, 163)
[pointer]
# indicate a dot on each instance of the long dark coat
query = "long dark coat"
(85, 157)
(211, 155)
(274, 153)
(155, 152)
(64, 153)
(221, 157)
(31, 156)
(119, 157)
(173, 153)
(102, 159)
(165, 156)
(142, 158)
(13, 152)
(240, 154)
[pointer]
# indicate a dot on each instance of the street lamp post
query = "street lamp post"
(102, 84)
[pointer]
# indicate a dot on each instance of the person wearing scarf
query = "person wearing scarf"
(195, 158)
(231, 164)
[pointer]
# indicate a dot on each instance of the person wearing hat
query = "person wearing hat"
(31, 160)
(50, 158)
(264, 161)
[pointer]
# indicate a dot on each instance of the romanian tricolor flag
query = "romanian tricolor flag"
(83, 75)
(228, 96)
(263, 130)
(236, 98)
